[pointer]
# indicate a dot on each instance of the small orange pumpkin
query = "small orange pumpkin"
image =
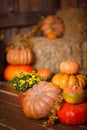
(45, 73)
(19, 55)
(11, 70)
(65, 80)
(51, 36)
(39, 100)
(69, 67)
(74, 94)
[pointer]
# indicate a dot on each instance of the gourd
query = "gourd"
(74, 94)
(19, 55)
(39, 100)
(69, 67)
(11, 70)
(73, 114)
(52, 26)
(65, 80)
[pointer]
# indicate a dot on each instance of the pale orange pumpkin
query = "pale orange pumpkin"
(52, 26)
(19, 55)
(69, 67)
(65, 80)
(39, 100)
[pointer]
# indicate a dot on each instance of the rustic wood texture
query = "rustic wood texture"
(12, 117)
(2, 58)
(22, 19)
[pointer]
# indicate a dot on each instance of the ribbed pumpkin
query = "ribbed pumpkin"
(19, 55)
(69, 67)
(40, 99)
(65, 80)
(52, 26)
(74, 94)
(73, 114)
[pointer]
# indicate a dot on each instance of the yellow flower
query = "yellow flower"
(30, 82)
(25, 80)
(14, 84)
(22, 81)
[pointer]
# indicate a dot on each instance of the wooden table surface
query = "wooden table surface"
(12, 117)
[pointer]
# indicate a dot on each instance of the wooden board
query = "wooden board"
(13, 118)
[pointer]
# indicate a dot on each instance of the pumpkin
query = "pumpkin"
(65, 80)
(74, 94)
(69, 67)
(51, 36)
(11, 70)
(52, 26)
(45, 73)
(39, 100)
(73, 114)
(19, 55)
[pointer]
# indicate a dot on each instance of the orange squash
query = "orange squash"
(45, 73)
(51, 36)
(65, 80)
(69, 67)
(19, 55)
(39, 100)
(11, 70)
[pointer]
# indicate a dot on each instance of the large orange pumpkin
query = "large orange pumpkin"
(52, 26)
(11, 70)
(65, 80)
(69, 67)
(73, 114)
(40, 99)
(19, 55)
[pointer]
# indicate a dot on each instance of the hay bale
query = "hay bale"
(50, 53)
(84, 59)
(75, 21)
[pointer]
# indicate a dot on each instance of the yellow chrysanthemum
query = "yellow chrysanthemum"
(25, 80)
